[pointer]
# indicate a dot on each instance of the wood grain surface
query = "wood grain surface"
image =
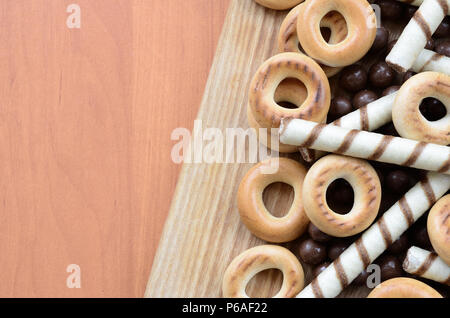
(85, 122)
(203, 232)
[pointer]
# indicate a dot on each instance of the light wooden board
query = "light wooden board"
(203, 232)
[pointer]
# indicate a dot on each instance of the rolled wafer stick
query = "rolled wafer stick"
(416, 3)
(369, 117)
(416, 34)
(365, 145)
(431, 61)
(378, 237)
(426, 264)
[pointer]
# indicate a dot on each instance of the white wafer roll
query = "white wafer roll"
(426, 264)
(365, 145)
(369, 117)
(431, 61)
(416, 34)
(378, 237)
(416, 3)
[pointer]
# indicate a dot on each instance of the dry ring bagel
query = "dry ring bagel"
(288, 39)
(402, 287)
(438, 226)
(406, 115)
(361, 25)
(251, 206)
(269, 76)
(287, 91)
(367, 192)
(278, 4)
(251, 262)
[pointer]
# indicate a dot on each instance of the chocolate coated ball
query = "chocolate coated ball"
(312, 252)
(317, 235)
(320, 268)
(363, 98)
(390, 90)
(390, 9)
(430, 44)
(381, 39)
(340, 106)
(361, 279)
(410, 11)
(336, 249)
(443, 48)
(381, 74)
(444, 29)
(408, 75)
(399, 246)
(420, 236)
(353, 78)
(398, 181)
(390, 267)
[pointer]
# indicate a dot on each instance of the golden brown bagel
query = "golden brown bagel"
(279, 4)
(288, 39)
(406, 115)
(361, 25)
(269, 76)
(291, 91)
(251, 262)
(366, 187)
(438, 226)
(403, 288)
(253, 211)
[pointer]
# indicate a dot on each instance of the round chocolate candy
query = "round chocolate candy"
(363, 98)
(444, 29)
(390, 9)
(390, 267)
(381, 39)
(320, 268)
(340, 106)
(443, 48)
(336, 249)
(397, 181)
(312, 252)
(390, 90)
(381, 75)
(317, 235)
(361, 279)
(399, 246)
(353, 78)
(408, 75)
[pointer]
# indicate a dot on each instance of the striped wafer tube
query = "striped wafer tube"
(426, 264)
(416, 34)
(416, 3)
(431, 61)
(378, 237)
(365, 145)
(369, 117)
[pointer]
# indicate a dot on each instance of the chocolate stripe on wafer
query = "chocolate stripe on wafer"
(366, 145)
(425, 264)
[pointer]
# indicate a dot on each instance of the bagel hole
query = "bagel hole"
(291, 93)
(326, 31)
(432, 109)
(278, 198)
(340, 196)
(265, 284)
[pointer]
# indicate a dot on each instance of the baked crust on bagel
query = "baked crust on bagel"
(361, 25)
(254, 213)
(279, 68)
(367, 192)
(403, 288)
(406, 115)
(438, 226)
(252, 261)
(288, 40)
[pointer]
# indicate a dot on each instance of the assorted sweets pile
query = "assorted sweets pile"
(370, 119)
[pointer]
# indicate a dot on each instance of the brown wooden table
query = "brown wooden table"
(85, 120)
